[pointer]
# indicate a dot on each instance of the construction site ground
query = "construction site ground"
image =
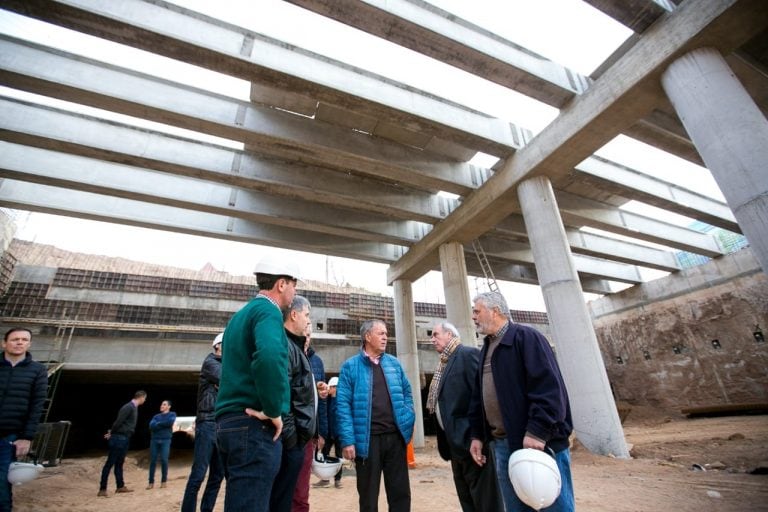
(679, 464)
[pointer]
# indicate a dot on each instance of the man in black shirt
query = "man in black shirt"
(118, 437)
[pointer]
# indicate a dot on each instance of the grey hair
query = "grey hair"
(298, 303)
(448, 326)
(494, 300)
(368, 327)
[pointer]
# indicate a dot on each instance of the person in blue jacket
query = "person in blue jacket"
(375, 418)
(161, 429)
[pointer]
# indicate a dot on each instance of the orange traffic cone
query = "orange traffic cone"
(410, 455)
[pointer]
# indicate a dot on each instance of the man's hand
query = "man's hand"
(320, 443)
(476, 450)
(22, 447)
(322, 390)
(532, 442)
(277, 422)
(108, 435)
(348, 452)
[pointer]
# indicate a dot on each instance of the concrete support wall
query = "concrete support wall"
(407, 351)
(595, 418)
(688, 340)
(457, 302)
(729, 132)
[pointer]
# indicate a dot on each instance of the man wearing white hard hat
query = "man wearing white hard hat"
(206, 456)
(520, 401)
(254, 392)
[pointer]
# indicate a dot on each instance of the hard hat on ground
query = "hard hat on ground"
(218, 339)
(275, 266)
(333, 382)
(535, 477)
(324, 467)
(23, 472)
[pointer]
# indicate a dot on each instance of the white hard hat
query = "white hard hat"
(23, 472)
(218, 339)
(535, 477)
(323, 467)
(270, 264)
(333, 382)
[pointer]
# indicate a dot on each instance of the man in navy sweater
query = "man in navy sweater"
(520, 400)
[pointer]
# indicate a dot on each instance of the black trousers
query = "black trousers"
(476, 486)
(387, 455)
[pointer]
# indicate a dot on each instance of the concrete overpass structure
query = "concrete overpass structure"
(338, 160)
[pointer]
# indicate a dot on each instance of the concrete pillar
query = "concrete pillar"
(407, 351)
(458, 306)
(595, 418)
(730, 134)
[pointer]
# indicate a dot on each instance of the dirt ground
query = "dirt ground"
(663, 475)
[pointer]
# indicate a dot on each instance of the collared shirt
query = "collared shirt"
(373, 359)
(270, 300)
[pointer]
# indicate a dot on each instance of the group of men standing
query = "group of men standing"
(256, 422)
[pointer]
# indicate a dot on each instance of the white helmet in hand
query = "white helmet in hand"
(23, 472)
(535, 477)
(325, 468)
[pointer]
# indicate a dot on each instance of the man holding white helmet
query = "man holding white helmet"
(23, 388)
(254, 391)
(520, 400)
(206, 457)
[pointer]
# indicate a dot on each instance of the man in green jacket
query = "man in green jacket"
(254, 391)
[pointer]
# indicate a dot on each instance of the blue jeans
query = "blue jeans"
(118, 449)
(281, 497)
(563, 503)
(159, 448)
(206, 459)
(251, 460)
(7, 455)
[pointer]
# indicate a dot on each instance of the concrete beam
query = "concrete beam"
(273, 132)
(443, 36)
(630, 183)
(636, 15)
(46, 167)
(85, 205)
(624, 93)
(192, 37)
(49, 128)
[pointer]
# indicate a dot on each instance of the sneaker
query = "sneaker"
(150, 486)
(123, 489)
(337, 484)
(103, 493)
(322, 483)
(163, 485)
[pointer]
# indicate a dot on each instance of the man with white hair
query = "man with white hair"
(449, 398)
(520, 400)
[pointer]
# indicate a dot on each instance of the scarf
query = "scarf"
(444, 356)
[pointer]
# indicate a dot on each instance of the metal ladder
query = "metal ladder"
(56, 360)
(485, 266)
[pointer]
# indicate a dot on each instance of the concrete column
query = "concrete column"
(458, 306)
(595, 418)
(730, 134)
(407, 351)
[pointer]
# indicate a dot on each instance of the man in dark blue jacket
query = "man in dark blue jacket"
(449, 399)
(520, 400)
(23, 388)
(206, 457)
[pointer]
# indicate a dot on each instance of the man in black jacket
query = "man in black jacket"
(449, 396)
(23, 388)
(118, 438)
(206, 451)
(300, 425)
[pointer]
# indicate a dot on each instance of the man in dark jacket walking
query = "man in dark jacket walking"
(449, 398)
(23, 388)
(206, 457)
(118, 438)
